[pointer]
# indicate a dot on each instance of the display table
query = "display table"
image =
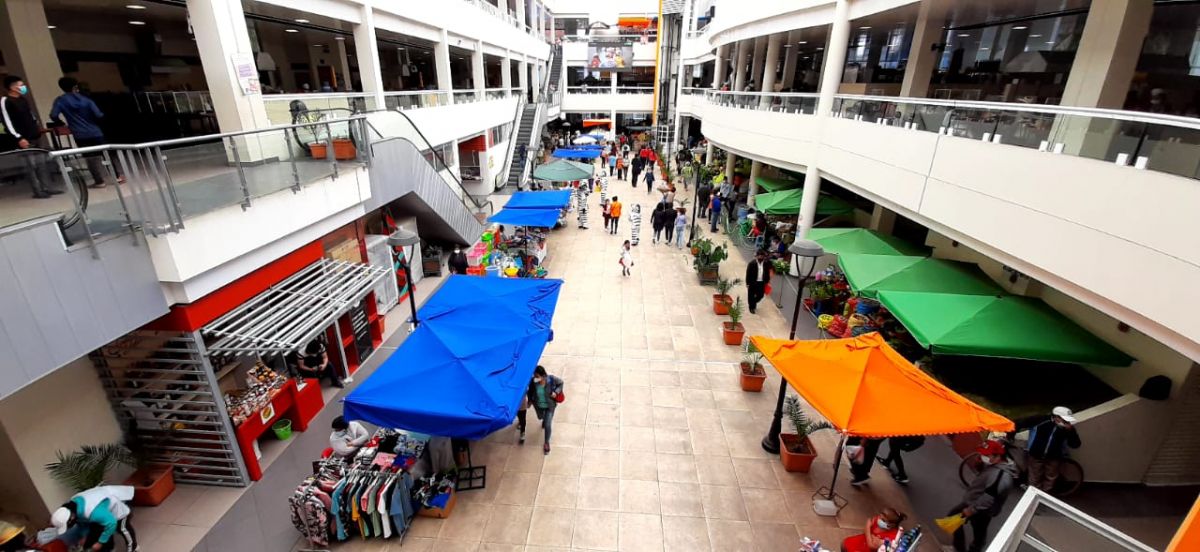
(293, 403)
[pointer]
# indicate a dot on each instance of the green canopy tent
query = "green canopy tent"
(563, 170)
(870, 274)
(768, 184)
(1005, 326)
(787, 202)
(843, 241)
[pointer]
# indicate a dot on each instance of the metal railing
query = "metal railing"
(415, 99)
(644, 38)
(198, 101)
(495, 93)
(280, 106)
(634, 89)
(698, 90)
(1161, 143)
(1042, 523)
(599, 89)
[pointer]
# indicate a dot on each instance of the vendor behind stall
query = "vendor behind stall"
(347, 437)
(315, 364)
(884, 526)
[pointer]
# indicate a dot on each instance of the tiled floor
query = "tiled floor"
(656, 446)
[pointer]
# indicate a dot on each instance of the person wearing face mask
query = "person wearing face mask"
(458, 261)
(985, 496)
(544, 394)
(884, 526)
(21, 131)
(1047, 446)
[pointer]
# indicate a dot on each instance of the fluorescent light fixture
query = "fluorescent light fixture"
(339, 38)
(864, 28)
(51, 27)
(137, 23)
(290, 31)
(802, 42)
(1020, 27)
(1035, 36)
(135, 7)
(964, 34)
(1049, 42)
(301, 21)
(318, 45)
(983, 48)
(819, 48)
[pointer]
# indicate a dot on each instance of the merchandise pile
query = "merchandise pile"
(263, 384)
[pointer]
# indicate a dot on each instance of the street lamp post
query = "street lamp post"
(403, 238)
(801, 249)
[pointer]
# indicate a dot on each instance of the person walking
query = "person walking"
(894, 461)
(681, 222)
(20, 131)
(638, 163)
(714, 212)
(614, 211)
(103, 511)
(669, 216)
(649, 178)
(758, 275)
(656, 221)
(862, 458)
(635, 224)
(604, 210)
(83, 119)
(621, 167)
(626, 260)
(703, 196)
(458, 261)
(1047, 447)
(544, 393)
(985, 496)
(612, 164)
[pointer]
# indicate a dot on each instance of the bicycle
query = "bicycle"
(1070, 473)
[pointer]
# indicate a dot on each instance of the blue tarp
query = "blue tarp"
(527, 217)
(577, 153)
(584, 147)
(556, 199)
(463, 372)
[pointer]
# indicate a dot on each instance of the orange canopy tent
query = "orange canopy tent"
(866, 389)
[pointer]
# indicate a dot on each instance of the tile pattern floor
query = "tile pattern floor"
(656, 446)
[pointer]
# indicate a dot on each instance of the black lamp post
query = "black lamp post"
(403, 238)
(811, 251)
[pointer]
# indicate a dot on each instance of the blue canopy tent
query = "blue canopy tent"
(462, 373)
(584, 146)
(577, 153)
(555, 199)
(547, 218)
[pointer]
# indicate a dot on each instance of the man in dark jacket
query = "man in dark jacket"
(703, 195)
(83, 118)
(758, 275)
(21, 131)
(1047, 446)
(638, 164)
(985, 496)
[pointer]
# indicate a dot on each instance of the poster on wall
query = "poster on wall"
(610, 54)
(247, 73)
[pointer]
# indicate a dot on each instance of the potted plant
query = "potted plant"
(153, 481)
(707, 261)
(753, 376)
(90, 466)
(721, 299)
(733, 330)
(796, 451)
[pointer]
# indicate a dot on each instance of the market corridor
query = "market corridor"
(656, 447)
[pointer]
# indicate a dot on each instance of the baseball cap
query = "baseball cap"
(1064, 413)
(59, 520)
(991, 448)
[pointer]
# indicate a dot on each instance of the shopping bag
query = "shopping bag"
(767, 289)
(951, 524)
(560, 397)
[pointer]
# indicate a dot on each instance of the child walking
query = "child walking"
(626, 260)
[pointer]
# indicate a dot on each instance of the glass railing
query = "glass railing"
(158, 186)
(465, 96)
(599, 89)
(692, 91)
(635, 89)
(281, 107)
(415, 99)
(1040, 522)
(495, 93)
(174, 102)
(644, 38)
(1162, 143)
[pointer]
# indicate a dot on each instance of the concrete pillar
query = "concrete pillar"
(613, 83)
(522, 13)
(708, 153)
(345, 83)
(220, 30)
(922, 56)
(774, 45)
(760, 56)
(883, 220)
(730, 163)
(478, 75)
(29, 52)
(506, 73)
(739, 65)
(552, 35)
(755, 169)
(523, 77)
(314, 63)
(441, 62)
(831, 78)
(366, 47)
(1108, 53)
(720, 67)
(791, 56)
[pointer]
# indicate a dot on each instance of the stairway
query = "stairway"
(556, 66)
(524, 137)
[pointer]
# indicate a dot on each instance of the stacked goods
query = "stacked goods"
(263, 384)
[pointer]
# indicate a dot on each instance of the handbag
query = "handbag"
(560, 397)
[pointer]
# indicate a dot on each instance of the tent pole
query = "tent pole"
(837, 465)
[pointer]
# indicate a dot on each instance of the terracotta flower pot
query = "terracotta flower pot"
(343, 149)
(752, 378)
(733, 333)
(695, 251)
(800, 460)
(721, 304)
(708, 275)
(152, 485)
(316, 150)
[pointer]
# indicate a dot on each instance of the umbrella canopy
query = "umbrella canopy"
(569, 153)
(546, 217)
(563, 171)
(463, 371)
(1008, 326)
(585, 139)
(852, 241)
(556, 199)
(865, 388)
(775, 184)
(787, 202)
(870, 274)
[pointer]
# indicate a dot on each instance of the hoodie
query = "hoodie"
(988, 491)
(82, 114)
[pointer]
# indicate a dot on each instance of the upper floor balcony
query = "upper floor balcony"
(592, 99)
(1079, 198)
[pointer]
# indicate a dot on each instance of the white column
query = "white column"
(346, 83)
(755, 169)
(441, 62)
(523, 77)
(506, 72)
(922, 57)
(220, 30)
(739, 65)
(366, 47)
(709, 151)
(831, 79)
(551, 18)
(613, 83)
(1108, 53)
(760, 56)
(791, 56)
(774, 45)
(29, 51)
(730, 162)
(478, 75)
(719, 68)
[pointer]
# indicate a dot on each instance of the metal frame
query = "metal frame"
(1014, 533)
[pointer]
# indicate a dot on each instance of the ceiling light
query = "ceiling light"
(983, 48)
(802, 42)
(1020, 27)
(864, 28)
(339, 38)
(318, 45)
(135, 7)
(137, 22)
(964, 35)
(301, 21)
(290, 31)
(51, 26)
(1035, 36)
(1049, 42)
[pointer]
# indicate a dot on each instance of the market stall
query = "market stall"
(787, 202)
(770, 184)
(870, 274)
(576, 153)
(841, 241)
